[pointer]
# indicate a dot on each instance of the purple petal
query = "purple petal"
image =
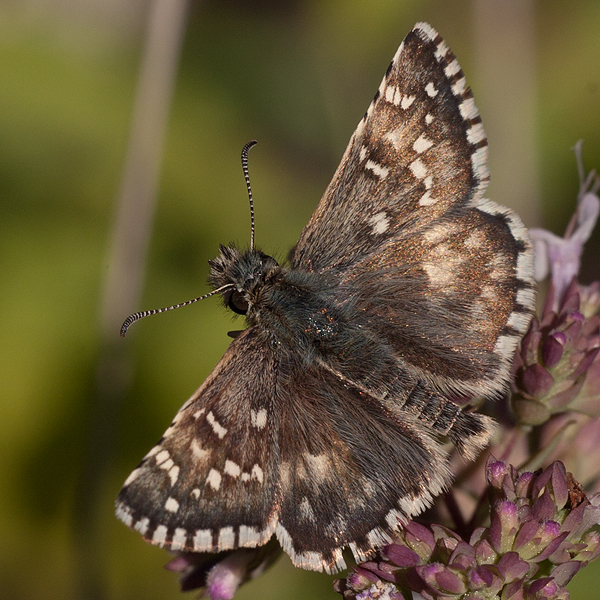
(545, 583)
(440, 578)
(552, 349)
(536, 380)
(450, 582)
(360, 578)
(504, 525)
(401, 555)
(179, 563)
(512, 566)
(419, 533)
(513, 591)
(560, 488)
(527, 532)
(573, 521)
(549, 549)
(484, 552)
(225, 577)
(587, 215)
(544, 507)
(463, 556)
(496, 472)
(562, 574)
(524, 483)
(480, 577)
(586, 362)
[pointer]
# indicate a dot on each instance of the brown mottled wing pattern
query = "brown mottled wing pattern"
(321, 422)
(442, 274)
(244, 459)
(211, 483)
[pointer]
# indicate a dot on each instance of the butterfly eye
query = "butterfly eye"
(237, 303)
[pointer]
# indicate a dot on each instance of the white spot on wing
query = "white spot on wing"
(440, 232)
(214, 479)
(152, 452)
(258, 418)
(418, 168)
(172, 505)
(249, 537)
(421, 144)
(519, 321)
(359, 555)
(380, 171)
(407, 101)
(199, 413)
(476, 134)
(427, 199)
(394, 518)
(203, 541)
(429, 118)
(524, 267)
(318, 465)
(226, 538)
(377, 537)
(505, 346)
(526, 298)
(179, 540)
(142, 526)
(431, 90)
(440, 276)
(257, 473)
(174, 474)
(442, 49)
(123, 513)
(392, 95)
(160, 535)
(196, 493)
(396, 137)
(467, 109)
(379, 222)
(132, 476)
(232, 468)
(161, 457)
(459, 87)
(217, 427)
(452, 69)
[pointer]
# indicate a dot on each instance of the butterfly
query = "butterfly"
(325, 421)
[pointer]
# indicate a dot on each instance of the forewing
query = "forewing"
(441, 274)
(211, 483)
(419, 149)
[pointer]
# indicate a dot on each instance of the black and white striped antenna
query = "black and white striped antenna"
(146, 313)
(245, 151)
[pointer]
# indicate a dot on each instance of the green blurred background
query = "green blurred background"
(297, 76)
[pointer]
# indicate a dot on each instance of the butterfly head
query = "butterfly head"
(244, 275)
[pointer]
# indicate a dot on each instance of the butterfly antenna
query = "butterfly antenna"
(146, 313)
(245, 151)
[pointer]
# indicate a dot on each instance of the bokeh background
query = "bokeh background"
(79, 406)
